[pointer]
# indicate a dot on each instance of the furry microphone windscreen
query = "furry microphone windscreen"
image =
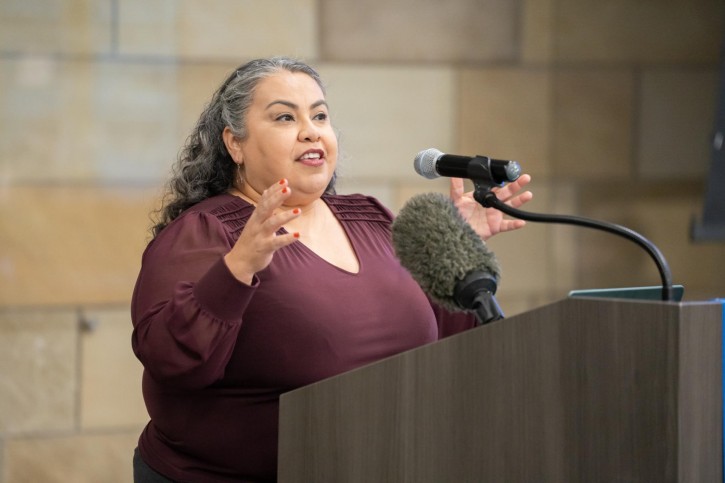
(438, 247)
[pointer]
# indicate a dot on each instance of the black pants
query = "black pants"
(143, 473)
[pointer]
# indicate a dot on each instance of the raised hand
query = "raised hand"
(487, 222)
(258, 241)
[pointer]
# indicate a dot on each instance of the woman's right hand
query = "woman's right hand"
(258, 241)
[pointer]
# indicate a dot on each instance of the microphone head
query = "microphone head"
(425, 163)
(439, 248)
(513, 171)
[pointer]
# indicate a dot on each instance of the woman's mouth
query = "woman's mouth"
(312, 158)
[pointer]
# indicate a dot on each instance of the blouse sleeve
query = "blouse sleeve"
(187, 306)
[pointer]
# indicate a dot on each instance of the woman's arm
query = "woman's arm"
(187, 306)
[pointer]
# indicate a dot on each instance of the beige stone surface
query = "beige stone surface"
(196, 84)
(36, 96)
(110, 373)
(505, 113)
(386, 115)
(38, 370)
(662, 213)
(78, 120)
(218, 29)
(593, 123)
(55, 27)
(537, 31)
(638, 31)
(429, 30)
(383, 190)
(409, 188)
(84, 458)
(676, 122)
(563, 198)
(531, 264)
(71, 244)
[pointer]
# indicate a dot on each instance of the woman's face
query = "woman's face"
(289, 135)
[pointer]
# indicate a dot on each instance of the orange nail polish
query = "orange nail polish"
(284, 190)
(296, 234)
(296, 211)
(282, 181)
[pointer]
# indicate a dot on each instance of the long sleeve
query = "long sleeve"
(187, 307)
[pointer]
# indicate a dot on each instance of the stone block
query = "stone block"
(386, 115)
(537, 31)
(63, 245)
(83, 458)
(38, 370)
(505, 113)
(67, 27)
(593, 123)
(75, 120)
(218, 29)
(676, 122)
(110, 373)
(631, 31)
(452, 31)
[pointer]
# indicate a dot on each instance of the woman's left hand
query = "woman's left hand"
(487, 222)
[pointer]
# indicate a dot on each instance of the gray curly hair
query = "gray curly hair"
(204, 168)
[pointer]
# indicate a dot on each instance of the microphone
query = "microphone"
(431, 163)
(446, 257)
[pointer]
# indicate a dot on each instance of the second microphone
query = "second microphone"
(432, 163)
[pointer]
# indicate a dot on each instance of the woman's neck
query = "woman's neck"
(252, 197)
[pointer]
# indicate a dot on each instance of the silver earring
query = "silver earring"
(239, 174)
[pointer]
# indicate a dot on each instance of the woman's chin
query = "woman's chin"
(311, 186)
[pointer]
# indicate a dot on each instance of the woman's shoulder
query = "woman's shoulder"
(225, 210)
(358, 207)
(230, 210)
(222, 205)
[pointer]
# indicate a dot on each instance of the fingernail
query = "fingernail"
(296, 211)
(282, 181)
(284, 190)
(296, 234)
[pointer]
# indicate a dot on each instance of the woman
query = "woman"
(260, 279)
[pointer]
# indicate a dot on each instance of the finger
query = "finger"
(273, 198)
(511, 189)
(284, 239)
(520, 199)
(457, 188)
(509, 225)
(278, 220)
(523, 180)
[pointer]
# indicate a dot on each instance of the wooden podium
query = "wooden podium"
(582, 390)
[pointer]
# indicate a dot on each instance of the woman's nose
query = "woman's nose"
(309, 132)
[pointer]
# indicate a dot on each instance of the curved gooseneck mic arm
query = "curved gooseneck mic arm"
(487, 198)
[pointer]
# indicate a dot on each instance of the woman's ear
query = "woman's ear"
(233, 144)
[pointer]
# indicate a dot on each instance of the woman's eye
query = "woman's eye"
(322, 116)
(285, 117)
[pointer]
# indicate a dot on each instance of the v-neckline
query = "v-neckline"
(301, 245)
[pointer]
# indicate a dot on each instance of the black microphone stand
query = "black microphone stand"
(487, 198)
(476, 292)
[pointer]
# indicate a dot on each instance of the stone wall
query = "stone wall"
(608, 104)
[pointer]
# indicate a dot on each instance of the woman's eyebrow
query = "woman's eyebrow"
(292, 105)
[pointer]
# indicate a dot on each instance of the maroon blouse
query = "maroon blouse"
(217, 353)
